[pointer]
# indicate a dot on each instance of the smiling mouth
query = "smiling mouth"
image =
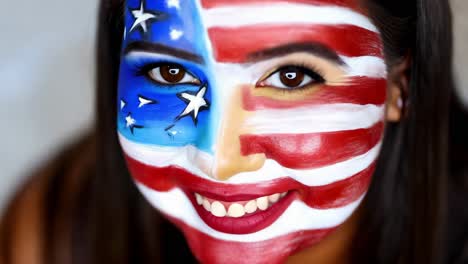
(243, 216)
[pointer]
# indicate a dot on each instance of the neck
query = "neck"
(335, 248)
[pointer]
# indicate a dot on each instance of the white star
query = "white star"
(173, 3)
(141, 17)
(130, 121)
(176, 34)
(195, 103)
(122, 104)
(144, 101)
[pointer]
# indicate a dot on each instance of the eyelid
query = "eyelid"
(309, 69)
(330, 72)
(138, 60)
(142, 57)
(301, 62)
(146, 70)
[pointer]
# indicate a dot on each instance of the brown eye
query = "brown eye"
(172, 74)
(291, 77)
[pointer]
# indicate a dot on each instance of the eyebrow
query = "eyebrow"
(314, 48)
(143, 46)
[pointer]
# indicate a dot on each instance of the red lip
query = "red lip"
(246, 224)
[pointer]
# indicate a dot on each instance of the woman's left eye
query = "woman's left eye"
(291, 77)
(172, 74)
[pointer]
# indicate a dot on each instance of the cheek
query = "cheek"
(313, 150)
(327, 139)
(320, 127)
(162, 115)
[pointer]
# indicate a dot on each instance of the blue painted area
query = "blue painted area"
(185, 19)
(157, 123)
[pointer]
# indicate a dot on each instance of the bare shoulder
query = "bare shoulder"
(24, 224)
(20, 226)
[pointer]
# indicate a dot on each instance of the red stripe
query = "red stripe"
(223, 3)
(210, 250)
(360, 91)
(307, 151)
(235, 44)
(340, 193)
(333, 195)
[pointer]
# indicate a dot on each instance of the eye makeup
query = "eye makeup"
(169, 74)
(156, 69)
(328, 71)
(290, 78)
(316, 72)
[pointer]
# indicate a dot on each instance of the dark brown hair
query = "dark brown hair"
(405, 207)
(404, 211)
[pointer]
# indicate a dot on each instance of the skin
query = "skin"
(333, 248)
(228, 94)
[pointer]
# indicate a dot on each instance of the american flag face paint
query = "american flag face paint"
(253, 125)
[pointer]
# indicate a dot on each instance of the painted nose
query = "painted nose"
(229, 159)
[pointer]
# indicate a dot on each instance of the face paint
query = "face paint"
(253, 125)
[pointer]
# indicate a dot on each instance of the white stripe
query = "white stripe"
(297, 217)
(284, 13)
(321, 176)
(191, 159)
(365, 66)
(313, 119)
(158, 156)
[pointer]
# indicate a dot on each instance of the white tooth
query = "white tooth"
(236, 210)
(199, 199)
(206, 205)
(217, 209)
(251, 207)
(284, 194)
(262, 203)
(274, 197)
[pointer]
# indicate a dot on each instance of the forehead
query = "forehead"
(353, 4)
(231, 29)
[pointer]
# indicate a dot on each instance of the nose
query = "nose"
(229, 159)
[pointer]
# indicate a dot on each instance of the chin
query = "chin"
(210, 250)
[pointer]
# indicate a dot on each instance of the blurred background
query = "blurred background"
(47, 75)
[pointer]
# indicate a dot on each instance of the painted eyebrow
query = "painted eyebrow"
(314, 48)
(142, 46)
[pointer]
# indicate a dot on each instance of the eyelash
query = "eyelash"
(308, 69)
(144, 70)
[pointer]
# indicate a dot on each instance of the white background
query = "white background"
(47, 75)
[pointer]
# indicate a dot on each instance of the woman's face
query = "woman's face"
(254, 126)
